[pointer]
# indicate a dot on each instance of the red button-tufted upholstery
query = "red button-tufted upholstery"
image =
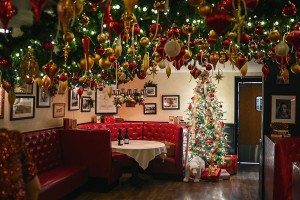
(108, 119)
(279, 156)
(56, 178)
(152, 131)
(45, 149)
(92, 126)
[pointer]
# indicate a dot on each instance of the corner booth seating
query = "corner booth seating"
(67, 159)
(172, 166)
(280, 154)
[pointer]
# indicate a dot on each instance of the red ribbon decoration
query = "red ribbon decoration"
(7, 11)
(37, 6)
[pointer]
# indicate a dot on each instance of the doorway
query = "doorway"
(248, 113)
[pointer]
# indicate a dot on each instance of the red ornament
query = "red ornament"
(100, 51)
(86, 43)
(245, 38)
(80, 91)
(107, 18)
(153, 28)
(190, 107)
(37, 6)
(63, 77)
(136, 29)
(258, 30)
(181, 54)
(163, 40)
(211, 40)
(265, 70)
(132, 65)
(112, 58)
(100, 88)
(209, 142)
(294, 39)
(48, 46)
(208, 67)
(289, 9)
(7, 11)
(283, 60)
(117, 27)
(297, 54)
(141, 75)
(173, 32)
(219, 22)
(103, 75)
(4, 63)
(251, 4)
(226, 42)
(6, 86)
(240, 61)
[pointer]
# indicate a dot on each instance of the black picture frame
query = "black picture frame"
(23, 108)
(59, 110)
(105, 104)
(43, 98)
(151, 91)
(170, 102)
(150, 108)
(289, 115)
(85, 107)
(23, 89)
(74, 99)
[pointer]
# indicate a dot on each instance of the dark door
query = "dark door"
(249, 123)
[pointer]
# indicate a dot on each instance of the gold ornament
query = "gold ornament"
(231, 35)
(109, 91)
(195, 2)
(46, 82)
(130, 50)
(125, 65)
(138, 57)
(102, 37)
(28, 66)
(118, 50)
(145, 64)
(129, 5)
(205, 46)
(213, 34)
(244, 69)
(84, 20)
(219, 76)
(214, 58)
(204, 9)
(285, 74)
(82, 63)
(11, 97)
(104, 63)
(187, 55)
(65, 11)
(78, 7)
(274, 35)
(109, 51)
(161, 5)
(63, 85)
(188, 29)
(295, 68)
(168, 70)
(68, 37)
(144, 41)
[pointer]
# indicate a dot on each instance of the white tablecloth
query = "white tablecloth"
(143, 151)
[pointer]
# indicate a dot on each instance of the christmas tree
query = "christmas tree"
(207, 138)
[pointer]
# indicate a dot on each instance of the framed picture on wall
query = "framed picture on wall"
(151, 91)
(85, 106)
(74, 101)
(59, 110)
(283, 109)
(23, 89)
(170, 102)
(42, 97)
(150, 108)
(2, 95)
(104, 103)
(23, 108)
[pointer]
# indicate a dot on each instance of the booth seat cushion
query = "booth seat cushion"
(61, 180)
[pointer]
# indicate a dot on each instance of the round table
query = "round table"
(143, 151)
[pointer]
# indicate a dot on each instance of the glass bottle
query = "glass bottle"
(126, 141)
(120, 138)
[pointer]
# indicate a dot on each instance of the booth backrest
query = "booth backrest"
(95, 151)
(135, 130)
(92, 126)
(45, 149)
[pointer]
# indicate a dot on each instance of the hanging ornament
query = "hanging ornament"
(96, 3)
(141, 75)
(168, 70)
(37, 6)
(80, 91)
(219, 22)
(109, 91)
(244, 69)
(294, 38)
(63, 85)
(7, 11)
(219, 76)
(63, 76)
(289, 9)
(214, 58)
(86, 42)
(104, 63)
(11, 97)
(274, 35)
(172, 48)
(48, 46)
(244, 38)
(295, 68)
(82, 63)
(265, 70)
(241, 60)
(129, 5)
(117, 27)
(204, 9)
(65, 11)
(161, 5)
(29, 66)
(195, 72)
(78, 7)
(4, 63)
(144, 41)
(84, 20)
(282, 49)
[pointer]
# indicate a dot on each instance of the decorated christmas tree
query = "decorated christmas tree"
(207, 138)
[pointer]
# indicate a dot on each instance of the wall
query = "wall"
(43, 116)
(179, 83)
